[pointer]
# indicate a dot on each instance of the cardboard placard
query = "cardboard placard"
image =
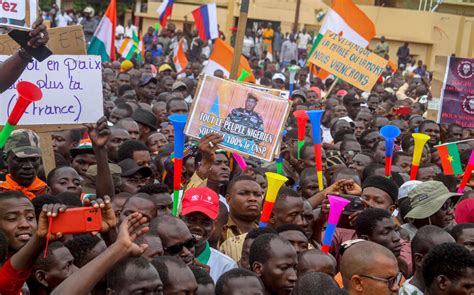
(457, 94)
(72, 91)
(250, 127)
(348, 61)
(65, 40)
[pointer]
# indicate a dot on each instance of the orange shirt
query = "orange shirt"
(267, 35)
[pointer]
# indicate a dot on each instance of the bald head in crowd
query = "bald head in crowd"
(366, 267)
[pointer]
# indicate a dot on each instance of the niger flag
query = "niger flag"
(347, 20)
(221, 59)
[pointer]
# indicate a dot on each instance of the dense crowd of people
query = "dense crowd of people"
(400, 236)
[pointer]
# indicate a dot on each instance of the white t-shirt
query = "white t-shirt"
(62, 20)
(247, 46)
(129, 31)
(219, 264)
(303, 40)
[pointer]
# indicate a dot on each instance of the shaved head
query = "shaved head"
(366, 258)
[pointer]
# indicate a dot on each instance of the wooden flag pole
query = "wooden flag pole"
(239, 39)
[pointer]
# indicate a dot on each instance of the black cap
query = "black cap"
(145, 80)
(351, 99)
(384, 184)
(145, 117)
(130, 167)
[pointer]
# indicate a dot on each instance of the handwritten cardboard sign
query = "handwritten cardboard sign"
(65, 40)
(348, 61)
(250, 120)
(72, 91)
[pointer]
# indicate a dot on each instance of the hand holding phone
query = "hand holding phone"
(109, 220)
(77, 220)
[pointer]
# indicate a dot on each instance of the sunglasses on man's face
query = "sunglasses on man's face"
(176, 249)
(447, 205)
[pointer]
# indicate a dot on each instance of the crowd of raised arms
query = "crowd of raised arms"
(403, 236)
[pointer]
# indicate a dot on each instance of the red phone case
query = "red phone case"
(77, 220)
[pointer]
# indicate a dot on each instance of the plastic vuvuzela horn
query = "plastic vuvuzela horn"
(420, 141)
(275, 182)
(467, 173)
(315, 118)
(390, 133)
(301, 119)
(178, 121)
(337, 204)
(28, 93)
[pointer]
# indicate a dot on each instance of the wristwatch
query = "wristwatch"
(25, 55)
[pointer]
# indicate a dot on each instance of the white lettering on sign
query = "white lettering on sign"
(14, 9)
(71, 86)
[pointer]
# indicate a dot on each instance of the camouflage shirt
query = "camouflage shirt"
(248, 119)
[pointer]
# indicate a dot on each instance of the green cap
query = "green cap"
(23, 143)
(427, 198)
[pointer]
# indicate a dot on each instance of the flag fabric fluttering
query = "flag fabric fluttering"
(127, 49)
(179, 58)
(103, 41)
(205, 18)
(346, 19)
(164, 11)
(450, 158)
(221, 59)
(141, 49)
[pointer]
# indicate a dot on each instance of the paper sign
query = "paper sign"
(457, 94)
(72, 91)
(251, 121)
(348, 61)
(65, 40)
(13, 13)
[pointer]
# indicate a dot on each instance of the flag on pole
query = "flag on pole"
(141, 49)
(205, 18)
(164, 11)
(128, 48)
(221, 59)
(346, 19)
(103, 40)
(179, 58)
(450, 159)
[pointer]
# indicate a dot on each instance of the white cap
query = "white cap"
(279, 76)
(406, 188)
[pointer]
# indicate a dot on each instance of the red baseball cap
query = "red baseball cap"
(201, 199)
(341, 92)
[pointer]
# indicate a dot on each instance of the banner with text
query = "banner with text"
(348, 61)
(251, 121)
(457, 94)
(71, 86)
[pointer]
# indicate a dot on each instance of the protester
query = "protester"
(212, 242)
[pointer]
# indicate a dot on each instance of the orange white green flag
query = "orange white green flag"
(348, 20)
(179, 58)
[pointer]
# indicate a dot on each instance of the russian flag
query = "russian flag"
(205, 18)
(165, 10)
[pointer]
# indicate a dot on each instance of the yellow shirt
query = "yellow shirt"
(232, 247)
(267, 35)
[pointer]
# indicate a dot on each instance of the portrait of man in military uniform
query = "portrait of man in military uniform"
(246, 116)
